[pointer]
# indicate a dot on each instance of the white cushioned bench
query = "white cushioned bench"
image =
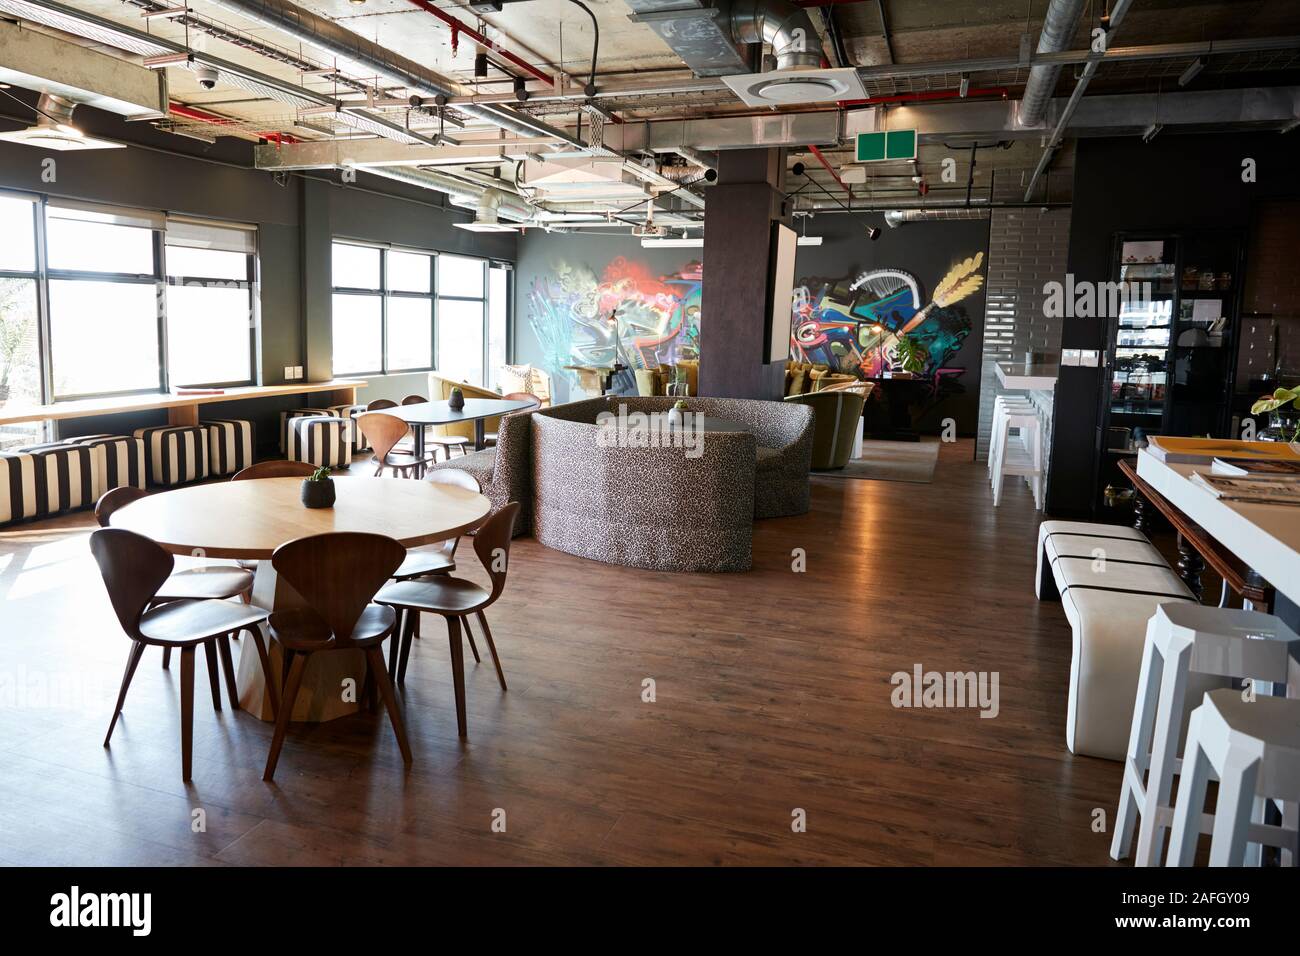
(1110, 580)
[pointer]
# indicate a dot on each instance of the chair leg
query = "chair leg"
(228, 666)
(167, 658)
(487, 633)
(210, 651)
(284, 673)
(411, 626)
(457, 671)
(187, 711)
(385, 688)
(272, 691)
(470, 634)
(292, 683)
(132, 661)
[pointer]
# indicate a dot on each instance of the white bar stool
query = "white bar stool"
(1252, 747)
(1190, 649)
(1023, 456)
(1002, 404)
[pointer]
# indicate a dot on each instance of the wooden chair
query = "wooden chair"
(383, 432)
(456, 598)
(381, 403)
(438, 559)
(134, 570)
(446, 442)
(490, 438)
(275, 469)
(336, 575)
(209, 582)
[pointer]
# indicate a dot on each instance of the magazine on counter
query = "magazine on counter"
(1196, 451)
(1243, 467)
(1264, 490)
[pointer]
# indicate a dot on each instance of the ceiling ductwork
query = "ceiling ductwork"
(1058, 28)
(721, 38)
(897, 217)
(54, 129)
(367, 58)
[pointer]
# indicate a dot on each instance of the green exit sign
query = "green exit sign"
(891, 144)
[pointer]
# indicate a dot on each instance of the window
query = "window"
(139, 302)
(104, 301)
(461, 314)
(211, 303)
(383, 310)
(399, 310)
(20, 363)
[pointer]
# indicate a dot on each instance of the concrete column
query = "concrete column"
(742, 205)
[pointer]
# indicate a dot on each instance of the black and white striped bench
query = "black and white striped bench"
(1110, 580)
(324, 441)
(351, 412)
(231, 445)
(45, 480)
(120, 459)
(175, 454)
(287, 417)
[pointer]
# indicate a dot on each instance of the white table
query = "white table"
(1265, 537)
(1038, 377)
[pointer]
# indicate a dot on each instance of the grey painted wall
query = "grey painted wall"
(296, 221)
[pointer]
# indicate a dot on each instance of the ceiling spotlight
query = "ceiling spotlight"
(356, 3)
(480, 65)
(873, 233)
(797, 169)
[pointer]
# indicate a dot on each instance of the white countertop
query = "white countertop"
(1039, 377)
(1265, 537)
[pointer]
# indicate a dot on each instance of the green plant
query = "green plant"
(320, 474)
(680, 405)
(455, 390)
(911, 354)
(1278, 401)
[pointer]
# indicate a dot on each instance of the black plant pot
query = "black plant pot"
(318, 494)
(457, 401)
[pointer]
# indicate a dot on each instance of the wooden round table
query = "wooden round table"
(250, 519)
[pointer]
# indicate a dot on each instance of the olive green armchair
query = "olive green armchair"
(837, 418)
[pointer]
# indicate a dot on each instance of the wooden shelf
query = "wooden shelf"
(181, 409)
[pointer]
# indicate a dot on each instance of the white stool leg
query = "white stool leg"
(1192, 783)
(1255, 851)
(1139, 753)
(1232, 812)
(997, 470)
(1164, 754)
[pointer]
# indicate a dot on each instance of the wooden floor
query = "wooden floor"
(772, 693)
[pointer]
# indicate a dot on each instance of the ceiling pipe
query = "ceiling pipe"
(1058, 29)
(811, 204)
(327, 35)
(925, 96)
(897, 217)
(817, 153)
(459, 26)
(786, 27)
(1054, 141)
(462, 193)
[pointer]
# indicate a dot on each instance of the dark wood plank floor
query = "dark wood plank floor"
(772, 694)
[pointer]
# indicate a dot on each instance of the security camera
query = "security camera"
(206, 76)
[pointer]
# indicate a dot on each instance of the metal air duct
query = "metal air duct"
(1058, 28)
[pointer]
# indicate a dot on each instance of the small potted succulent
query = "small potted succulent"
(456, 399)
(676, 413)
(1283, 408)
(318, 490)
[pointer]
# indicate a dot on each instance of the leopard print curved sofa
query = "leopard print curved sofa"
(657, 507)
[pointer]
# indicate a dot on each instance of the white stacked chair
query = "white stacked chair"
(1190, 649)
(1252, 747)
(1021, 455)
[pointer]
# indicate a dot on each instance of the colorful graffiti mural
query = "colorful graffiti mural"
(857, 326)
(656, 318)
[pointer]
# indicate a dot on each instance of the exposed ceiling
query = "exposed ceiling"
(913, 58)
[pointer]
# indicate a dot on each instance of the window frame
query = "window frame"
(45, 383)
(161, 282)
(249, 284)
(434, 297)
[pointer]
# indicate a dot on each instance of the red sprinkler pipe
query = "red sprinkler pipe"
(459, 26)
(830, 169)
(203, 116)
(998, 91)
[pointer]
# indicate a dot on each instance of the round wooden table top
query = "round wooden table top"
(250, 519)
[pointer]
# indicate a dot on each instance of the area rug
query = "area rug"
(912, 461)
